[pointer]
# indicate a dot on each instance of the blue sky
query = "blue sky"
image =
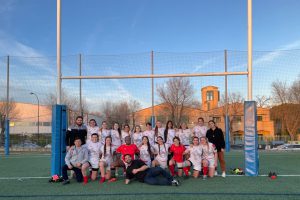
(126, 27)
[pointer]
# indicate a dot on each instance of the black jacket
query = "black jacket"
(216, 137)
(75, 131)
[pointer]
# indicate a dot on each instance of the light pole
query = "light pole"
(38, 117)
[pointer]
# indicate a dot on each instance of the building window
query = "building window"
(259, 118)
(209, 95)
(46, 123)
(237, 118)
(217, 119)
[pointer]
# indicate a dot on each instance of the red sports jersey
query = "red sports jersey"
(127, 149)
(177, 152)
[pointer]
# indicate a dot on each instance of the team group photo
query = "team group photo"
(104, 154)
(149, 99)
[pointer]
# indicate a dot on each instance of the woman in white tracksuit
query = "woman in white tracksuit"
(146, 151)
(106, 159)
(209, 157)
(103, 132)
(161, 151)
(91, 128)
(195, 159)
(137, 136)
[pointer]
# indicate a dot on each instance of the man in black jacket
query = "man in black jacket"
(215, 136)
(78, 130)
(154, 176)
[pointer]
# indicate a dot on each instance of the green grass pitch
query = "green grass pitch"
(232, 187)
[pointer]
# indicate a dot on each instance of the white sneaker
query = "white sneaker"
(204, 177)
(216, 173)
(175, 182)
(223, 174)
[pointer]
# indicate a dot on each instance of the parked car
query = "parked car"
(288, 147)
(26, 145)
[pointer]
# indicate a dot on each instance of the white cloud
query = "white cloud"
(25, 55)
(270, 56)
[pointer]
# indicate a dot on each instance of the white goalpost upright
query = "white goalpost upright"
(250, 111)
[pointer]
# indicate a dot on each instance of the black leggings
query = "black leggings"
(77, 171)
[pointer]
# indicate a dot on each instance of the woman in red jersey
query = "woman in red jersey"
(177, 149)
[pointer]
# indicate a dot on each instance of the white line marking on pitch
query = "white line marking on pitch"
(42, 177)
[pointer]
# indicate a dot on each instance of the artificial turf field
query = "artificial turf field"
(25, 176)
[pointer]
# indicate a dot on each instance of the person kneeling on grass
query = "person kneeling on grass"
(75, 158)
(154, 176)
(209, 157)
(94, 150)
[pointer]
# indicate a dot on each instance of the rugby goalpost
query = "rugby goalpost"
(59, 114)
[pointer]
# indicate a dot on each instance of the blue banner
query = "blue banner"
(250, 139)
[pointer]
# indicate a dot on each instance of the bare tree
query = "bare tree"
(234, 109)
(263, 101)
(195, 104)
(289, 115)
(280, 92)
(294, 92)
(121, 112)
(71, 102)
(177, 93)
(134, 106)
(287, 110)
(13, 113)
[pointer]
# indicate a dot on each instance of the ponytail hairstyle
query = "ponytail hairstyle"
(156, 130)
(167, 129)
(119, 130)
(108, 137)
(159, 144)
(148, 145)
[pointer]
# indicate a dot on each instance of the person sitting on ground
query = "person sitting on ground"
(75, 158)
(154, 176)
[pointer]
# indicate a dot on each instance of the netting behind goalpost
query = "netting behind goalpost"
(38, 75)
(118, 83)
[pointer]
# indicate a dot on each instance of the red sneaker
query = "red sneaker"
(102, 180)
(112, 180)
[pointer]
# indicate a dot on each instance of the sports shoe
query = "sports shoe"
(65, 182)
(117, 174)
(175, 182)
(204, 177)
(223, 174)
(216, 173)
(112, 180)
(102, 180)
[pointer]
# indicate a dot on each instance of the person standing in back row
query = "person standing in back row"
(215, 135)
(78, 130)
(200, 129)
